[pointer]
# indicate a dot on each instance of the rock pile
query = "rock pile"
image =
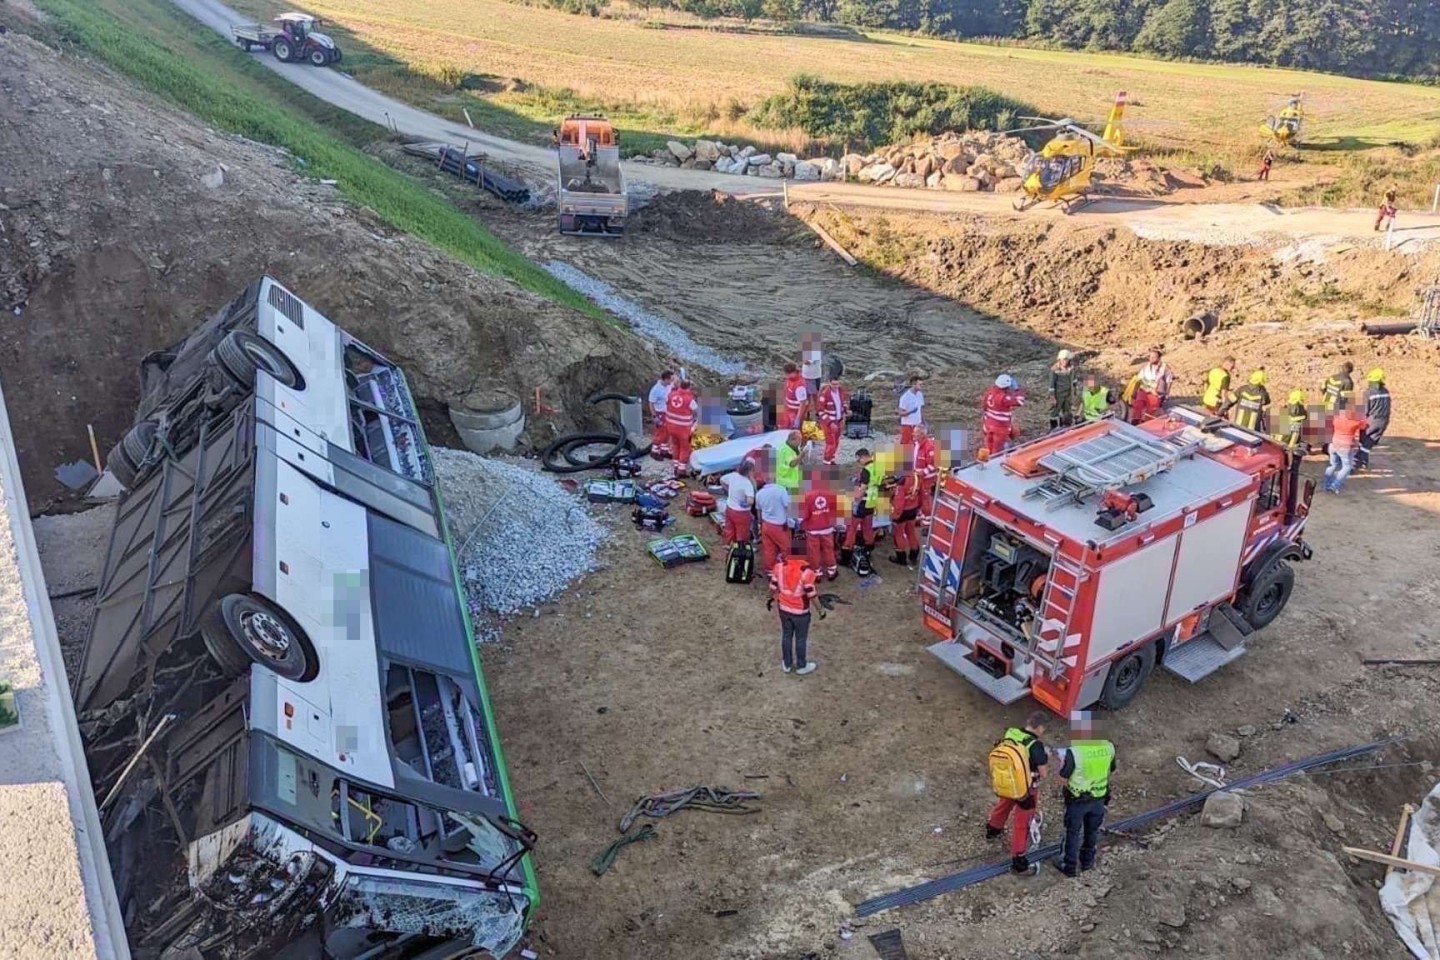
(964, 162)
(743, 161)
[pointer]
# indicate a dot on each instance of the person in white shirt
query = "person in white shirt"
(739, 501)
(773, 502)
(911, 408)
(659, 394)
(812, 357)
(1152, 388)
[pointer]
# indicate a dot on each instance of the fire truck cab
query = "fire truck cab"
(1067, 568)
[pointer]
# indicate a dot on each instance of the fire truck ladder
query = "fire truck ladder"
(1117, 459)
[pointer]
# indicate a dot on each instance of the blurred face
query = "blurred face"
(1154, 356)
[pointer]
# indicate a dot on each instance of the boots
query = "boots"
(914, 557)
(898, 558)
(847, 556)
(1023, 866)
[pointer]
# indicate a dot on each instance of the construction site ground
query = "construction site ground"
(872, 769)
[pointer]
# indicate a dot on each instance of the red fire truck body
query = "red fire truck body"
(1068, 567)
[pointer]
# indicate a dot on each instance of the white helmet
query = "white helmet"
(1064, 355)
(1003, 381)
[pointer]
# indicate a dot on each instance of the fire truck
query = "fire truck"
(1069, 567)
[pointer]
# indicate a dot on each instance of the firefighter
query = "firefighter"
(1377, 416)
(1387, 211)
(792, 585)
(1252, 404)
(832, 403)
(659, 393)
(911, 408)
(1062, 390)
(927, 465)
(998, 417)
(1086, 767)
(865, 497)
(1338, 388)
(1152, 387)
(796, 399)
(904, 511)
(1217, 398)
(1019, 812)
(681, 411)
(788, 461)
(817, 520)
(1296, 416)
(1095, 398)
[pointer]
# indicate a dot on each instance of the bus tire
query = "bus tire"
(242, 629)
(1127, 676)
(125, 458)
(242, 354)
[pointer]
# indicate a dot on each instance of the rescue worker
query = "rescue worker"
(998, 413)
(1095, 398)
(773, 502)
(904, 511)
(788, 461)
(1338, 388)
(1217, 398)
(1388, 209)
(817, 520)
(1343, 442)
(1019, 812)
(1086, 767)
(681, 412)
(795, 400)
(864, 498)
(1297, 415)
(1266, 162)
(1377, 416)
(659, 393)
(792, 586)
(1252, 404)
(832, 403)
(759, 459)
(1152, 388)
(926, 458)
(739, 503)
(911, 408)
(1062, 390)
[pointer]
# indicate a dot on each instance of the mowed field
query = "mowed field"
(699, 74)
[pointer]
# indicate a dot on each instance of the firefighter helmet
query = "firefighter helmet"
(1296, 396)
(1258, 378)
(1376, 375)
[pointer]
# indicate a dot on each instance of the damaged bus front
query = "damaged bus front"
(281, 700)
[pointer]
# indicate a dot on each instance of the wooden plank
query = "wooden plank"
(830, 242)
(1409, 661)
(1390, 861)
(1401, 832)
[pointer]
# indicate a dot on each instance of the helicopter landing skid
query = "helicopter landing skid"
(1075, 203)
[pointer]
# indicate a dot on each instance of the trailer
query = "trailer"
(1068, 568)
(296, 39)
(590, 185)
(279, 694)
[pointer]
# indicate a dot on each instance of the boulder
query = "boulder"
(687, 164)
(1222, 747)
(751, 171)
(925, 165)
(660, 154)
(958, 164)
(771, 171)
(853, 163)
(679, 150)
(1002, 171)
(961, 184)
(758, 159)
(747, 152)
(886, 173)
(703, 164)
(1009, 185)
(787, 169)
(707, 150)
(786, 158)
(908, 166)
(734, 152)
(877, 172)
(1223, 810)
(909, 181)
(829, 167)
(805, 170)
(934, 179)
(950, 149)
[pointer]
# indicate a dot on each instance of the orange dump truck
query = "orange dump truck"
(591, 195)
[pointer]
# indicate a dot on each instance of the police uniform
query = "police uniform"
(1086, 768)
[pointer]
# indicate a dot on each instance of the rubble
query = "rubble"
(1223, 809)
(1223, 747)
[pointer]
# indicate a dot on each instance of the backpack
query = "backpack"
(740, 564)
(1010, 770)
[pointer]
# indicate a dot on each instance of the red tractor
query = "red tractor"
(297, 39)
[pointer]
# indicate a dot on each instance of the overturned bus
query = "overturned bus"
(282, 705)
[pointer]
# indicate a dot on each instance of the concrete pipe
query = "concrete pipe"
(1383, 328)
(488, 421)
(1198, 325)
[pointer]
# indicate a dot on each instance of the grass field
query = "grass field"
(688, 81)
(205, 75)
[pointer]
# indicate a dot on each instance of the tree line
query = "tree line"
(1369, 38)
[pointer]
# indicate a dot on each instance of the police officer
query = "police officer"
(1086, 767)
(1252, 404)
(1377, 416)
(1296, 416)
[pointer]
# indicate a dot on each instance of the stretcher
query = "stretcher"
(726, 456)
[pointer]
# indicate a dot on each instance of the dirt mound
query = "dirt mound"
(711, 218)
(122, 224)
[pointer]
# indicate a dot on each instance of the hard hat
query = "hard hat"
(1002, 381)
(1296, 396)
(1063, 355)
(1258, 378)
(1376, 376)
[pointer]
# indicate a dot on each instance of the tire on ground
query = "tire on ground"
(125, 458)
(241, 629)
(1268, 593)
(319, 57)
(283, 51)
(1127, 677)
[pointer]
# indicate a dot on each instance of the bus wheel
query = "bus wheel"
(1127, 675)
(242, 354)
(243, 629)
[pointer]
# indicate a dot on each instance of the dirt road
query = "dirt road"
(1204, 223)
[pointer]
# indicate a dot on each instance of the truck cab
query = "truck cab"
(1068, 568)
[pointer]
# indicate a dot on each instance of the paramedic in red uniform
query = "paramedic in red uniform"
(904, 511)
(1024, 809)
(659, 393)
(680, 415)
(773, 502)
(797, 395)
(999, 403)
(832, 405)
(739, 503)
(817, 519)
(927, 467)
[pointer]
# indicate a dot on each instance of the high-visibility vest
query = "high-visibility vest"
(1337, 391)
(1091, 776)
(1377, 405)
(1217, 381)
(793, 385)
(679, 409)
(787, 471)
(793, 580)
(872, 483)
(1094, 404)
(1250, 403)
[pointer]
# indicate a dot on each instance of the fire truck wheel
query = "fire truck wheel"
(1268, 593)
(243, 629)
(1127, 675)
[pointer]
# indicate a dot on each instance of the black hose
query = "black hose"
(557, 459)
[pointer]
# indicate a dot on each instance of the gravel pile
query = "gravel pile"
(519, 536)
(655, 328)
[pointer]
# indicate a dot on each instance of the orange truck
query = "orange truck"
(591, 187)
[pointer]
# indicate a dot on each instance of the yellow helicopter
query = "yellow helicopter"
(1062, 169)
(1284, 128)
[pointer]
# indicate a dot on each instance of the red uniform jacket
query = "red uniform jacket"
(680, 409)
(834, 403)
(999, 406)
(927, 459)
(817, 512)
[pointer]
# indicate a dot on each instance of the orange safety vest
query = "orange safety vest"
(793, 583)
(680, 409)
